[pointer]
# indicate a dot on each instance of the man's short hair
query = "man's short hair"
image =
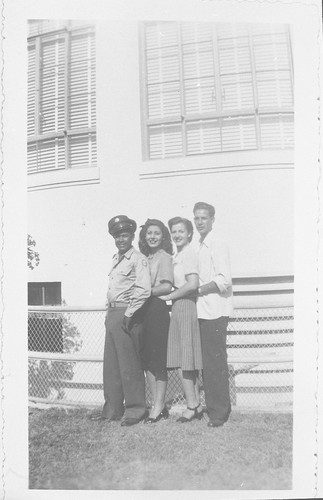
(201, 205)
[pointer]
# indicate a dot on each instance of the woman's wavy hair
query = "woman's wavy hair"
(187, 223)
(166, 241)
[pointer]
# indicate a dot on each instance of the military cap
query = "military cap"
(121, 223)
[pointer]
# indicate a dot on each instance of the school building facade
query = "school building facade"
(145, 119)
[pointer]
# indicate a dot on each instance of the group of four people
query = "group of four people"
(142, 336)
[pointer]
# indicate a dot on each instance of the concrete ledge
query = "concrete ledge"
(63, 178)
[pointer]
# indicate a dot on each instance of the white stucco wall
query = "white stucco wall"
(252, 191)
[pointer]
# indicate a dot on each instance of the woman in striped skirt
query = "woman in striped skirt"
(184, 345)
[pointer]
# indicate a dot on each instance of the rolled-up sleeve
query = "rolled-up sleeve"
(142, 286)
(190, 262)
(165, 271)
(221, 264)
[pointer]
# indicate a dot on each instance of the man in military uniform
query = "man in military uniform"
(129, 288)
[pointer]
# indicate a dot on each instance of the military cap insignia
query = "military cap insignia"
(121, 223)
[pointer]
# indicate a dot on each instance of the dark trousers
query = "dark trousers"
(215, 367)
(123, 377)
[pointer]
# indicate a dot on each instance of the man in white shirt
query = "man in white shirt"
(214, 307)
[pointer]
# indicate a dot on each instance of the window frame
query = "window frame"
(67, 133)
(184, 118)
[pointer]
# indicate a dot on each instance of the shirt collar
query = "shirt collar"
(206, 240)
(152, 255)
(182, 251)
(127, 255)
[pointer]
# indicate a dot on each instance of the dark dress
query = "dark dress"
(156, 319)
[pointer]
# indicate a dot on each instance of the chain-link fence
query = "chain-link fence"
(66, 350)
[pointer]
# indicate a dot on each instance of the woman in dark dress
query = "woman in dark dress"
(155, 243)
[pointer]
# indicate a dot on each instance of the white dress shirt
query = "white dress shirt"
(214, 265)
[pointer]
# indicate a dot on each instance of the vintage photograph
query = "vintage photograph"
(160, 254)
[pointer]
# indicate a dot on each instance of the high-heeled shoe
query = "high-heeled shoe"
(196, 414)
(163, 414)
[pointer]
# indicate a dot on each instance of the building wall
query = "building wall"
(252, 191)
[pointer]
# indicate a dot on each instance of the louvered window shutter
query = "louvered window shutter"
(238, 134)
(198, 69)
(235, 72)
(51, 154)
(31, 97)
(217, 87)
(82, 105)
(272, 71)
(237, 93)
(203, 136)
(32, 157)
(61, 97)
(274, 88)
(82, 80)
(199, 84)
(277, 131)
(47, 154)
(163, 90)
(52, 84)
(82, 150)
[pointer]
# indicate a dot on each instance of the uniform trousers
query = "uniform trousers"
(215, 368)
(123, 377)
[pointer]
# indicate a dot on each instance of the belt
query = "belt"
(118, 304)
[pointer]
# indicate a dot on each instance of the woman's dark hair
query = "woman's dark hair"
(166, 241)
(187, 223)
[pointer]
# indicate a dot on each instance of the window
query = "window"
(211, 88)
(61, 114)
(41, 294)
(45, 333)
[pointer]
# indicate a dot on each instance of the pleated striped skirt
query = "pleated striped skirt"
(184, 343)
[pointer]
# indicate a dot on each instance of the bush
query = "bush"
(32, 256)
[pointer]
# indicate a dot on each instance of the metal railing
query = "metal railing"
(66, 350)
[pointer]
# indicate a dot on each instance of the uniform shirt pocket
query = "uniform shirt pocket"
(125, 270)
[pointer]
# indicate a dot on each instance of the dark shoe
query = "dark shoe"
(196, 414)
(163, 414)
(219, 422)
(131, 421)
(215, 423)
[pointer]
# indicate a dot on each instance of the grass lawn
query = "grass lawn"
(68, 451)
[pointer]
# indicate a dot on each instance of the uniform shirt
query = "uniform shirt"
(214, 265)
(161, 267)
(129, 280)
(185, 262)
